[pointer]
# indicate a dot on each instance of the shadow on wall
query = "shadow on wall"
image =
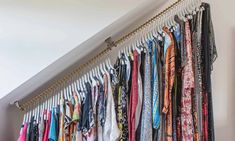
(10, 121)
(226, 130)
(231, 102)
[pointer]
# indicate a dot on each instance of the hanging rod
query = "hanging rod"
(110, 45)
(147, 23)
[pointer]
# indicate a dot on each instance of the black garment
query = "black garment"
(130, 79)
(142, 66)
(209, 54)
(57, 119)
(33, 130)
(86, 107)
(160, 66)
(183, 52)
(101, 98)
(176, 92)
(178, 85)
(116, 87)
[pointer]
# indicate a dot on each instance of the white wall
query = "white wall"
(34, 33)
(223, 76)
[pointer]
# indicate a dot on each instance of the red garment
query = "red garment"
(205, 117)
(187, 87)
(48, 122)
(133, 99)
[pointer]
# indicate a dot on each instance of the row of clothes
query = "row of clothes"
(160, 91)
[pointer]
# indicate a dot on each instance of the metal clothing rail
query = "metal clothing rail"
(110, 45)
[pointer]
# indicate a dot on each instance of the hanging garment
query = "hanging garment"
(77, 134)
(87, 115)
(159, 91)
(52, 131)
(101, 112)
(68, 127)
(42, 125)
(47, 126)
(111, 131)
(197, 95)
(155, 90)
(23, 133)
(146, 121)
(122, 99)
(187, 86)
(175, 92)
(57, 120)
(34, 137)
(133, 99)
(28, 132)
(61, 126)
(210, 55)
(161, 61)
(140, 94)
(94, 95)
(180, 63)
(41, 129)
(169, 81)
(31, 129)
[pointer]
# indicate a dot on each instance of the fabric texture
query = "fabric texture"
(146, 121)
(111, 131)
(23, 133)
(133, 99)
(188, 85)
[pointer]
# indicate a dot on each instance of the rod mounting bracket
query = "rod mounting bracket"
(17, 104)
(110, 43)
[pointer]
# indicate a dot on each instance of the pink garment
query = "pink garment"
(23, 134)
(133, 99)
(187, 87)
(46, 132)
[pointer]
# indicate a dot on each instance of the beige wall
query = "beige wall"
(223, 77)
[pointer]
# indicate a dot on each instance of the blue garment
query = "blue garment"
(177, 33)
(57, 119)
(52, 131)
(155, 90)
(167, 43)
(146, 121)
